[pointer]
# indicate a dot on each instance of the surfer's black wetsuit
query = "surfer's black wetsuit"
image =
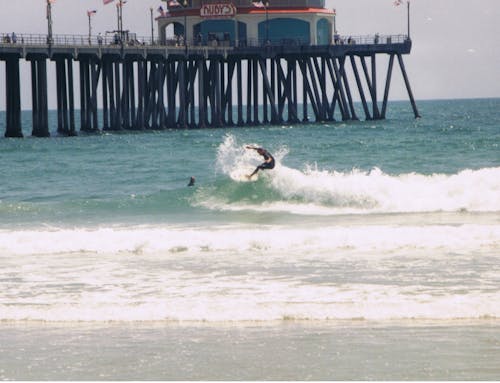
(268, 160)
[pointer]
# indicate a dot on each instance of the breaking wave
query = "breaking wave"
(326, 191)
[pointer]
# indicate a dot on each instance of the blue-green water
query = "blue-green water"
(378, 221)
(139, 178)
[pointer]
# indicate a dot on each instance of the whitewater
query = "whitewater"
(306, 243)
(317, 191)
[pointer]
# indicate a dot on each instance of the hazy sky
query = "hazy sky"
(456, 43)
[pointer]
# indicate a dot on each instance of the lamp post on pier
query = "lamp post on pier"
(89, 15)
(398, 3)
(117, 18)
(266, 6)
(236, 29)
(184, 5)
(408, 14)
(119, 15)
(49, 22)
(334, 21)
(152, 27)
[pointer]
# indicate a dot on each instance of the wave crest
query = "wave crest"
(320, 191)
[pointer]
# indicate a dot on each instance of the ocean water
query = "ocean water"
(371, 251)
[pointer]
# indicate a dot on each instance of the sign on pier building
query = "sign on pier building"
(246, 23)
(217, 10)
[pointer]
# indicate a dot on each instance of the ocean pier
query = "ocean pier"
(251, 65)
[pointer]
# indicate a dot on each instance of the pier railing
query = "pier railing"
(74, 40)
(370, 39)
(113, 39)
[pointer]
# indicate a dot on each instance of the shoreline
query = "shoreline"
(290, 351)
(263, 324)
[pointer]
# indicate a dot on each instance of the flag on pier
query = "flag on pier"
(161, 10)
(173, 3)
(107, 1)
(92, 12)
(258, 4)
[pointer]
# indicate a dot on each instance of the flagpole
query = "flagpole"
(266, 4)
(120, 18)
(236, 30)
(117, 18)
(408, 12)
(334, 21)
(152, 27)
(49, 22)
(185, 4)
(90, 27)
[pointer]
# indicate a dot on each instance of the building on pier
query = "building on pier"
(242, 22)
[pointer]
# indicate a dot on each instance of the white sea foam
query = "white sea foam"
(248, 273)
(326, 192)
(229, 239)
(183, 296)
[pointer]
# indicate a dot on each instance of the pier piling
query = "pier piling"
(13, 97)
(157, 87)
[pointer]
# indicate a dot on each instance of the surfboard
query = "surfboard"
(241, 175)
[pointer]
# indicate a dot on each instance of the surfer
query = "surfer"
(192, 180)
(268, 160)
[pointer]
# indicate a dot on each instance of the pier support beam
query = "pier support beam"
(65, 96)
(13, 97)
(408, 88)
(198, 88)
(39, 97)
(360, 87)
(387, 86)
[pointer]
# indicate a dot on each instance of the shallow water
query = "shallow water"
(287, 351)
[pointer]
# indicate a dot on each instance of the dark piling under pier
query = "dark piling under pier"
(160, 87)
